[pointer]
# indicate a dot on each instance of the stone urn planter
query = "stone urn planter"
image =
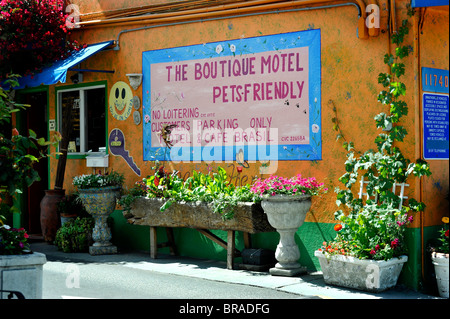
(100, 203)
(22, 273)
(440, 263)
(361, 274)
(286, 213)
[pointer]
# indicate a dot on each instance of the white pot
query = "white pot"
(440, 262)
(361, 274)
(22, 273)
(286, 214)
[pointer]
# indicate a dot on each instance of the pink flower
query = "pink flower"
(394, 243)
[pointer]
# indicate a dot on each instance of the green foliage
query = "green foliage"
(75, 235)
(214, 189)
(374, 232)
(443, 237)
(71, 205)
(16, 162)
(13, 241)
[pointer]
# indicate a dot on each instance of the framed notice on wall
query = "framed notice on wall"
(435, 126)
(435, 111)
(259, 98)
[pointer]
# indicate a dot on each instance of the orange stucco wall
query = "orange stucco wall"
(350, 67)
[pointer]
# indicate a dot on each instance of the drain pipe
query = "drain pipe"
(417, 24)
(117, 42)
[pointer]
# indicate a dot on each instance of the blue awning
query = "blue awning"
(58, 71)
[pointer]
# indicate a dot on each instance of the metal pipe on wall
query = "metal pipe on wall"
(117, 47)
(223, 10)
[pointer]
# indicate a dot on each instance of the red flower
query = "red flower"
(15, 132)
(446, 233)
(337, 227)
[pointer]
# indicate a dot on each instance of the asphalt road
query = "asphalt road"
(116, 280)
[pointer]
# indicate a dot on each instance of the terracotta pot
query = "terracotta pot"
(50, 220)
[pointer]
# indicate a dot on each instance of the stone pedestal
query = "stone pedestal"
(286, 214)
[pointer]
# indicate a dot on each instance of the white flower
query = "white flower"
(315, 128)
(232, 48)
(219, 48)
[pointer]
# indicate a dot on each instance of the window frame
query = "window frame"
(81, 88)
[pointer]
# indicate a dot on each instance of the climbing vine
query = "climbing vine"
(386, 165)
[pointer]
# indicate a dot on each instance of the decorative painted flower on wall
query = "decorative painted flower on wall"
(315, 128)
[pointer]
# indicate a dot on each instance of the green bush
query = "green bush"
(75, 235)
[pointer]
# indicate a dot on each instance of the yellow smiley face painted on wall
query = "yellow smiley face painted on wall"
(120, 100)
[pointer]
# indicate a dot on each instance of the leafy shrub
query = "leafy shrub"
(75, 235)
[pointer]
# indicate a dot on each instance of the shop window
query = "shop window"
(88, 118)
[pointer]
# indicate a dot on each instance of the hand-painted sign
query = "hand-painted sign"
(116, 143)
(248, 95)
(435, 80)
(120, 100)
(435, 126)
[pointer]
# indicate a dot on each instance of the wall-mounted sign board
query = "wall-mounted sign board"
(435, 80)
(428, 3)
(435, 126)
(260, 96)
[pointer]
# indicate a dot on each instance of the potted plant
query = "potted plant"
(20, 268)
(439, 257)
(99, 193)
(75, 235)
(286, 202)
(70, 207)
(368, 252)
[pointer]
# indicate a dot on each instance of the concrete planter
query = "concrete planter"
(440, 262)
(367, 275)
(286, 214)
(22, 273)
(248, 217)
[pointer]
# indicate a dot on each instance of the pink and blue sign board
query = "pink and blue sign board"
(260, 96)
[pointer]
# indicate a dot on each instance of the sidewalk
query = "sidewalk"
(309, 285)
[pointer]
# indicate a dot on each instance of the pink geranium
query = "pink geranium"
(274, 185)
